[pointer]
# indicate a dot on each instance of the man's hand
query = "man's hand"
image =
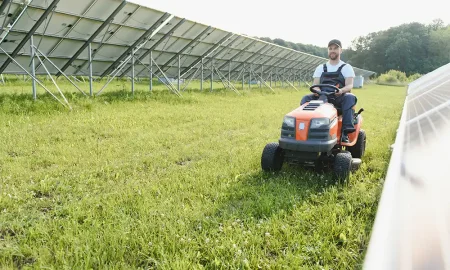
(339, 93)
(318, 91)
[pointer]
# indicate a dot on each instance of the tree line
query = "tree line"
(411, 48)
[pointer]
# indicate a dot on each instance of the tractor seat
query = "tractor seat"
(339, 111)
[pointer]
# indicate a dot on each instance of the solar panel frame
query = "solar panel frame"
(112, 28)
(417, 177)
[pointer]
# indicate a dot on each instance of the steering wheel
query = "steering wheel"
(322, 92)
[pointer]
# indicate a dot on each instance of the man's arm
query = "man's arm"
(348, 86)
(316, 77)
(316, 81)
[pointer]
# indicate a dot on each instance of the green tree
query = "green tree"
(440, 47)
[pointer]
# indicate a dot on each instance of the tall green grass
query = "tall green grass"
(153, 181)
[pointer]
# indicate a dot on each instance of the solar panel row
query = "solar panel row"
(64, 30)
(412, 226)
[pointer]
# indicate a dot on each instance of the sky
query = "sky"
(307, 22)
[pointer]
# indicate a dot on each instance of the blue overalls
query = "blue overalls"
(345, 102)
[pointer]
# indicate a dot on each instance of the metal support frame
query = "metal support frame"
(152, 48)
(38, 53)
(237, 54)
(207, 53)
(73, 27)
(277, 55)
(229, 72)
(201, 78)
(3, 5)
(29, 34)
(135, 44)
(133, 60)
(250, 77)
(261, 80)
(70, 29)
(179, 72)
(105, 41)
(151, 71)
(212, 74)
(239, 75)
(34, 78)
(287, 58)
(91, 88)
(51, 78)
(243, 76)
(127, 59)
(270, 79)
(227, 84)
(167, 82)
(33, 68)
(249, 59)
(287, 81)
(13, 20)
(220, 51)
(262, 71)
(201, 34)
(92, 37)
(190, 79)
(284, 59)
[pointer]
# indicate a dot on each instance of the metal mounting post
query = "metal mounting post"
(260, 82)
(201, 77)
(151, 71)
(243, 76)
(270, 79)
(33, 70)
(91, 91)
(250, 77)
(133, 59)
(179, 71)
(212, 74)
(229, 74)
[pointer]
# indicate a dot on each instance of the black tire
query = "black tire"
(342, 165)
(359, 148)
(272, 158)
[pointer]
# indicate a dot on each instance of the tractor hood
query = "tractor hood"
(314, 109)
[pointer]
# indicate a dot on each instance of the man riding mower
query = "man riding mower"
(318, 134)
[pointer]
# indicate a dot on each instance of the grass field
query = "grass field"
(155, 181)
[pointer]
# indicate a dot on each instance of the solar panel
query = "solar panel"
(64, 30)
(412, 226)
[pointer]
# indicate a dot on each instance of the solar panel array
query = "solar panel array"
(64, 30)
(412, 227)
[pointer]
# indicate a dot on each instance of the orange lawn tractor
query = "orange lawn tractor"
(311, 136)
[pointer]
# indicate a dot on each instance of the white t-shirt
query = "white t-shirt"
(347, 70)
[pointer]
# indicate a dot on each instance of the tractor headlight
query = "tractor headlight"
(289, 121)
(319, 122)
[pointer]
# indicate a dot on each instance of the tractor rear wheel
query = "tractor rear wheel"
(342, 165)
(272, 158)
(359, 148)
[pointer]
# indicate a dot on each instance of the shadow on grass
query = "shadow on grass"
(261, 195)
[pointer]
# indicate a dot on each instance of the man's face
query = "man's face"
(334, 51)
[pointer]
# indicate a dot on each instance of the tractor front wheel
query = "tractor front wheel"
(342, 165)
(272, 158)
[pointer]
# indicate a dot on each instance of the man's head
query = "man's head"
(334, 49)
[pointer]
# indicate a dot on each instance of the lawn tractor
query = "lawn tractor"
(311, 136)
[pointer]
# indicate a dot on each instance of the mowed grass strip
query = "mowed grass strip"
(157, 181)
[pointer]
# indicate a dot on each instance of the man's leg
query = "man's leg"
(308, 98)
(346, 102)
